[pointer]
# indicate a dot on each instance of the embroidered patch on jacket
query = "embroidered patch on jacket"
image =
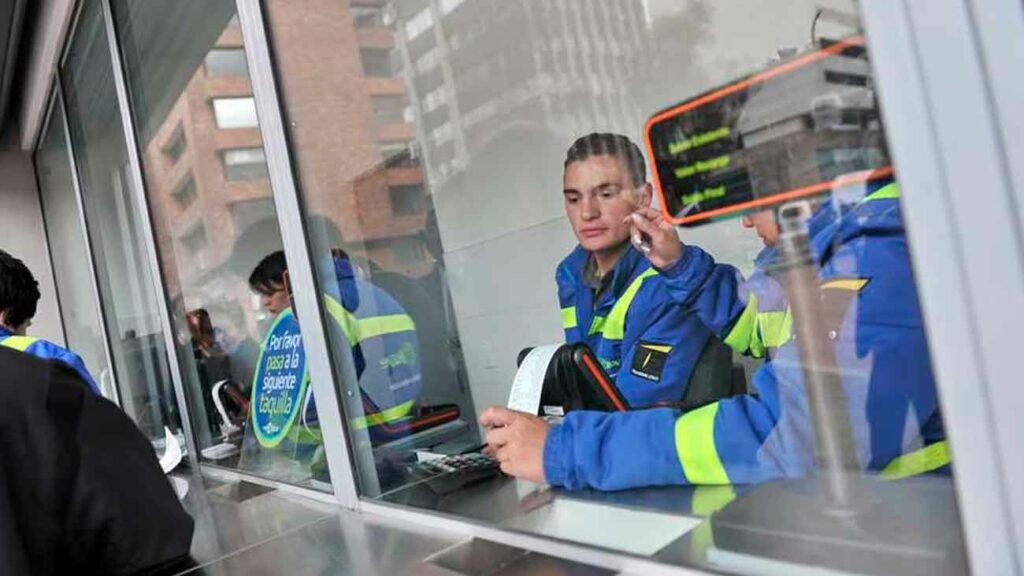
(649, 361)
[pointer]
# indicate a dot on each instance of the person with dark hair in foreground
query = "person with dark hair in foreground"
(81, 491)
(19, 295)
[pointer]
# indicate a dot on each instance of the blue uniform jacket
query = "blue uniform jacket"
(385, 349)
(647, 343)
(50, 351)
(880, 349)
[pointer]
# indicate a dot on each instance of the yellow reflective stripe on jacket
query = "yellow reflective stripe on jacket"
(855, 284)
(927, 459)
(380, 325)
(568, 318)
(344, 319)
(356, 330)
(695, 445)
(743, 337)
(384, 416)
(614, 326)
(710, 499)
(889, 191)
(774, 328)
(19, 343)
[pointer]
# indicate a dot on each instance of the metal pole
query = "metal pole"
(834, 450)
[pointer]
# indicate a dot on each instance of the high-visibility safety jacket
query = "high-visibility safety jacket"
(871, 310)
(49, 351)
(643, 339)
(385, 351)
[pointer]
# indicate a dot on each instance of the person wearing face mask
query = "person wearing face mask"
(611, 298)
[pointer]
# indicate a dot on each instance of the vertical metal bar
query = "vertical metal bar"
(83, 222)
(834, 450)
(149, 238)
(308, 304)
(907, 91)
(47, 118)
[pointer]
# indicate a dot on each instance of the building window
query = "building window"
(448, 5)
(434, 99)
(245, 164)
(376, 62)
(419, 24)
(406, 200)
(390, 109)
(367, 17)
(226, 62)
(195, 240)
(407, 249)
(176, 144)
(251, 212)
(441, 134)
(399, 154)
(235, 112)
(428, 60)
(184, 193)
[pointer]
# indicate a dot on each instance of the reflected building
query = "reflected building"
(207, 172)
(478, 68)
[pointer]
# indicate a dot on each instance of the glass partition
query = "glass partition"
(69, 253)
(115, 224)
(757, 398)
(240, 349)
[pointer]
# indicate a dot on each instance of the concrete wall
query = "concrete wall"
(22, 234)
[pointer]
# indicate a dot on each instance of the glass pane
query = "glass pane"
(115, 230)
(759, 399)
(67, 249)
(219, 242)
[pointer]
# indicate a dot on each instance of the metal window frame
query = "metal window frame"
(301, 270)
(47, 117)
(56, 106)
(945, 136)
(999, 36)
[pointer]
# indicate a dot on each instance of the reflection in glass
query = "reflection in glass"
(71, 269)
(375, 236)
(115, 230)
(461, 218)
(206, 180)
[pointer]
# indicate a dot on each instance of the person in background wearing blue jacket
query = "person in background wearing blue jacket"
(611, 298)
(19, 295)
(382, 335)
(869, 301)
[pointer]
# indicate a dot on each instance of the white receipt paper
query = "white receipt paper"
(529, 380)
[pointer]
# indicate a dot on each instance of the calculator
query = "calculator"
(450, 473)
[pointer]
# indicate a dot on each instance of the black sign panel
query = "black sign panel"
(801, 128)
